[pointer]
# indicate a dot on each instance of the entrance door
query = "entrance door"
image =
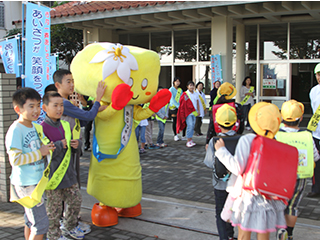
(302, 81)
(185, 74)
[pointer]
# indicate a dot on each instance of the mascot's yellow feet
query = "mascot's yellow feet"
(104, 216)
(129, 212)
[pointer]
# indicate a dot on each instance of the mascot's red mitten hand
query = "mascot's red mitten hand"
(121, 95)
(159, 100)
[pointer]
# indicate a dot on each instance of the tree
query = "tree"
(66, 42)
(13, 32)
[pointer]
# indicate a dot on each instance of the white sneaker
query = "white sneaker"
(176, 138)
(184, 138)
(75, 233)
(62, 238)
(193, 143)
(85, 228)
(190, 144)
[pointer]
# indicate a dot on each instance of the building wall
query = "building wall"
(12, 12)
(7, 116)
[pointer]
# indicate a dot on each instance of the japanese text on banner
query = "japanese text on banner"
(9, 55)
(37, 58)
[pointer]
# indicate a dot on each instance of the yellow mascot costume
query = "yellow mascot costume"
(131, 75)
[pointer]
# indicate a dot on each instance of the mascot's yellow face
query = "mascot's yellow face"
(116, 64)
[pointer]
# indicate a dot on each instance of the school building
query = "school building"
(276, 43)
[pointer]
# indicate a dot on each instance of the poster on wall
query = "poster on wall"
(10, 56)
(37, 53)
(216, 71)
(269, 83)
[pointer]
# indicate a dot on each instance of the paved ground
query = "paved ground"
(178, 172)
(175, 171)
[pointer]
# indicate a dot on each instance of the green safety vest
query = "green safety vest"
(246, 98)
(160, 119)
(36, 195)
(58, 175)
(202, 102)
(177, 98)
(303, 141)
(194, 112)
(313, 123)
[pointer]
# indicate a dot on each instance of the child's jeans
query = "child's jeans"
(143, 133)
(191, 121)
(148, 133)
(72, 197)
(35, 218)
(161, 132)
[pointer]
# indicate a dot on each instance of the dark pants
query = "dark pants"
(174, 120)
(316, 177)
(225, 229)
(246, 109)
(87, 130)
(197, 126)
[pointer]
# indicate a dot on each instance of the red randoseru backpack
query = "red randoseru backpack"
(271, 168)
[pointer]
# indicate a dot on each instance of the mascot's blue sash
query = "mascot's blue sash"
(125, 136)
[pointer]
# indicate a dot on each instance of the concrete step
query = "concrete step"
(174, 219)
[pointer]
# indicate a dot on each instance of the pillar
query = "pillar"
(7, 116)
(221, 43)
(240, 58)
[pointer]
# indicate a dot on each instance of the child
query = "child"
(292, 114)
(26, 158)
(141, 130)
(149, 131)
(226, 117)
(251, 211)
(88, 127)
(66, 188)
(76, 117)
(162, 116)
(187, 112)
(225, 94)
(174, 104)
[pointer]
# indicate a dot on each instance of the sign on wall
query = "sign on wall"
(269, 83)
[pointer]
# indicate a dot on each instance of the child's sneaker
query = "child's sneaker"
(75, 233)
(163, 145)
(85, 228)
(282, 234)
(190, 144)
(142, 150)
(152, 146)
(176, 138)
(62, 238)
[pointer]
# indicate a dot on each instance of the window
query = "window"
(2, 15)
(161, 43)
(185, 46)
(273, 42)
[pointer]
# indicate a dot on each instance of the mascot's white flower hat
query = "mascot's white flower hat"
(118, 58)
